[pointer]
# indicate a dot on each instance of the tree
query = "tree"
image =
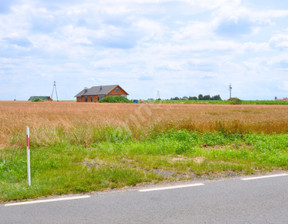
(192, 98)
(206, 97)
(216, 97)
(175, 98)
(200, 97)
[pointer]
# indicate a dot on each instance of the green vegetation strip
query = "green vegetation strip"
(116, 162)
(115, 99)
(246, 102)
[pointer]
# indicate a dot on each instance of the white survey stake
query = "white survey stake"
(28, 156)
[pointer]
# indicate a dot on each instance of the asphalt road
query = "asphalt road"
(225, 201)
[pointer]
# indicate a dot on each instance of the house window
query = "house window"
(86, 99)
(91, 98)
(101, 97)
(117, 90)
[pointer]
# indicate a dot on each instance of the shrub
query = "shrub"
(234, 100)
(115, 99)
(37, 100)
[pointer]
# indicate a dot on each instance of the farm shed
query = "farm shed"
(96, 93)
(44, 98)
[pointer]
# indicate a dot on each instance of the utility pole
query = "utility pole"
(158, 95)
(54, 87)
(230, 90)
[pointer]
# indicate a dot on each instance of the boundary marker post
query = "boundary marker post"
(28, 156)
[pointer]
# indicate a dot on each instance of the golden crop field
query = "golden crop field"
(76, 119)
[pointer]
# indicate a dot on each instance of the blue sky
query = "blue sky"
(181, 48)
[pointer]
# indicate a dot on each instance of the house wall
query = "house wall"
(120, 92)
(95, 99)
(82, 99)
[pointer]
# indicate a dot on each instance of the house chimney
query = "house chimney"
(85, 90)
(100, 88)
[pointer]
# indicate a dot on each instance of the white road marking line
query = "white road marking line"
(171, 187)
(48, 200)
(267, 176)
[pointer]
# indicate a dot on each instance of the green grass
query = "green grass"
(116, 159)
(250, 102)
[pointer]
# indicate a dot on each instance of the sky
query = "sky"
(179, 48)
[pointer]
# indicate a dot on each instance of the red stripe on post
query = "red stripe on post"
(28, 142)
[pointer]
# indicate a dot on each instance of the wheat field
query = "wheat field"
(73, 119)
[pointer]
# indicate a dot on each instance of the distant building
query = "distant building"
(44, 98)
(283, 99)
(96, 93)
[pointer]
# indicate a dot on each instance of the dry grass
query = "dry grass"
(45, 117)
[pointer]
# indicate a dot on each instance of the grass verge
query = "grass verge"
(121, 160)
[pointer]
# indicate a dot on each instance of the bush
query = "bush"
(115, 99)
(235, 101)
(37, 100)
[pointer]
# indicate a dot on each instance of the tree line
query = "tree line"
(200, 97)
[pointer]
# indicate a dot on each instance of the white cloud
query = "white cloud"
(279, 42)
(236, 10)
(194, 30)
(237, 19)
(148, 43)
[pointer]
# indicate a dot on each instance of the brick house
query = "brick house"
(96, 93)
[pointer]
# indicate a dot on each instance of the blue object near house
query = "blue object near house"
(135, 101)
